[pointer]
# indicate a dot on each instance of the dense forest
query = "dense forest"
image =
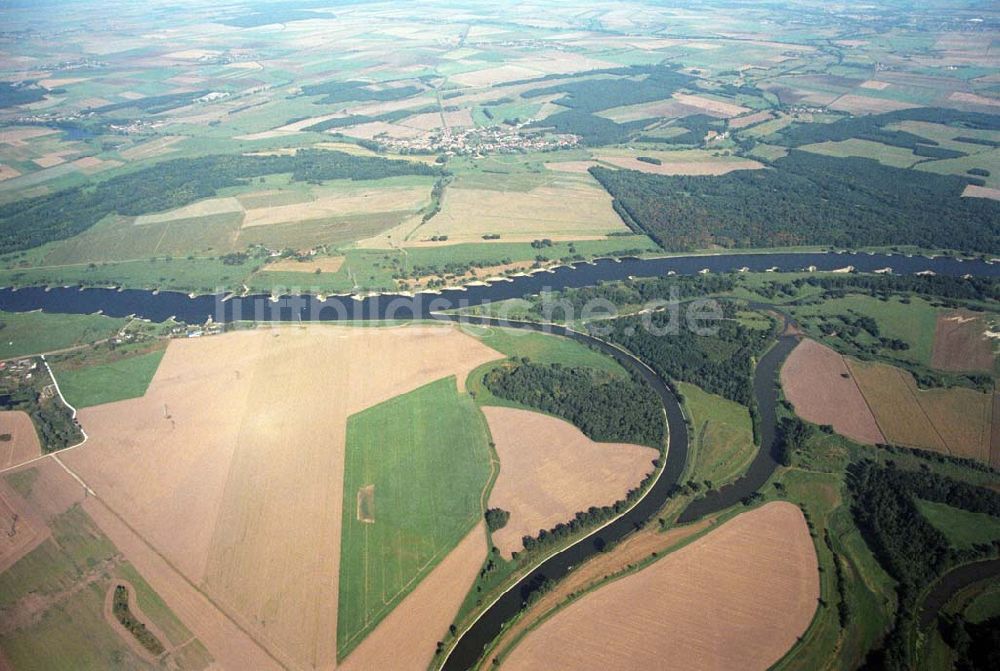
(21, 93)
(593, 130)
(910, 549)
(170, 184)
(593, 95)
(872, 127)
(607, 408)
(720, 364)
(807, 199)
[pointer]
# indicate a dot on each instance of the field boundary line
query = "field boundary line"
(871, 410)
(152, 548)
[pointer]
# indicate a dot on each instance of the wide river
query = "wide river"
(159, 306)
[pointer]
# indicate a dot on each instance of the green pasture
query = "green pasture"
(23, 333)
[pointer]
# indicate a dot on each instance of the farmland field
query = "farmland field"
(37, 332)
(63, 580)
(549, 471)
(952, 421)
(817, 381)
(764, 563)
(154, 460)
(961, 344)
(426, 489)
(371, 495)
(127, 377)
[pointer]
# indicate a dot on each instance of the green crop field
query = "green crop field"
(426, 455)
(722, 440)
(24, 333)
(128, 377)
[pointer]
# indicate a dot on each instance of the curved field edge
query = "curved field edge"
(496, 579)
(775, 533)
(425, 498)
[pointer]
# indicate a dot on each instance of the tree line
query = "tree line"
(605, 407)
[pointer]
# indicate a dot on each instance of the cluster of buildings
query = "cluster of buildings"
(501, 139)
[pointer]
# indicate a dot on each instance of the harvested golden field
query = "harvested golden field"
(736, 598)
(18, 136)
(751, 119)
(549, 470)
(961, 344)
(817, 381)
(874, 85)
(197, 209)
(952, 421)
(234, 439)
(151, 148)
(565, 210)
(718, 166)
(976, 191)
(973, 99)
(323, 264)
(711, 107)
(369, 130)
(369, 201)
(667, 108)
(7, 172)
(18, 438)
(635, 548)
(855, 104)
(495, 75)
(431, 120)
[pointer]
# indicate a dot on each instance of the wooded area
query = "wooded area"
(807, 199)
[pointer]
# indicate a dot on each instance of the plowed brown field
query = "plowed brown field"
(737, 598)
(819, 384)
(23, 442)
(960, 343)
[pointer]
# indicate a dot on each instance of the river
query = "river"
(162, 305)
(159, 306)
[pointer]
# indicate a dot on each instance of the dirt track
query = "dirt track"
(736, 598)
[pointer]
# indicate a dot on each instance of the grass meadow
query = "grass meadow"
(722, 441)
(127, 377)
(25, 333)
